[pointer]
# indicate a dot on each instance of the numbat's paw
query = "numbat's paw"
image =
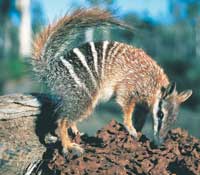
(76, 131)
(132, 131)
(74, 149)
(50, 139)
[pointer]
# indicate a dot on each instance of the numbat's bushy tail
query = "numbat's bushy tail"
(58, 37)
(95, 71)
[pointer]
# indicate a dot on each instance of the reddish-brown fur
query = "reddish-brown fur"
(131, 68)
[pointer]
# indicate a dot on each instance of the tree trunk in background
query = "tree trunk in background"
(25, 28)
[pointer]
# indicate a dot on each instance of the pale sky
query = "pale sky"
(156, 9)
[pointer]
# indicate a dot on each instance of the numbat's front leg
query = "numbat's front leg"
(67, 145)
(128, 110)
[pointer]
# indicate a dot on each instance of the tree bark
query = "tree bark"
(24, 121)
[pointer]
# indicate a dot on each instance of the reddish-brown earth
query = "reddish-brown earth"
(114, 151)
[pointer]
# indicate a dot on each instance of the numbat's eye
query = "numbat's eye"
(160, 114)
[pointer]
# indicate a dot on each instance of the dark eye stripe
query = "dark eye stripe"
(160, 105)
(159, 124)
(160, 115)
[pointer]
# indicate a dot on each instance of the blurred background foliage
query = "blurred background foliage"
(174, 44)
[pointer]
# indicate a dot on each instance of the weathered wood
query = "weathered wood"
(24, 121)
(17, 106)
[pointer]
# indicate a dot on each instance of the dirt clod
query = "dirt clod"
(114, 151)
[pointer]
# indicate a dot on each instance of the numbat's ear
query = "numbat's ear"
(184, 95)
(171, 89)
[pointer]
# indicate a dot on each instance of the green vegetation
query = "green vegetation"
(12, 69)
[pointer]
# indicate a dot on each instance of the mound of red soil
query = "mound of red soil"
(114, 151)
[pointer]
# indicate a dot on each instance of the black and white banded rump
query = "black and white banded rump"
(86, 64)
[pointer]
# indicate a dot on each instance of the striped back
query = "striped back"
(86, 64)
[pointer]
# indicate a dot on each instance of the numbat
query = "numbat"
(96, 71)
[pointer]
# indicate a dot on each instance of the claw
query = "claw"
(65, 152)
(132, 131)
(76, 131)
(81, 133)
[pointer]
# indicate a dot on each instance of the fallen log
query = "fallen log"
(23, 126)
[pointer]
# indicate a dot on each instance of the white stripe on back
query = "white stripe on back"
(112, 52)
(73, 75)
(80, 55)
(105, 45)
(95, 57)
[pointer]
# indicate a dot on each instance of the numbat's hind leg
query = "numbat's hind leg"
(67, 145)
